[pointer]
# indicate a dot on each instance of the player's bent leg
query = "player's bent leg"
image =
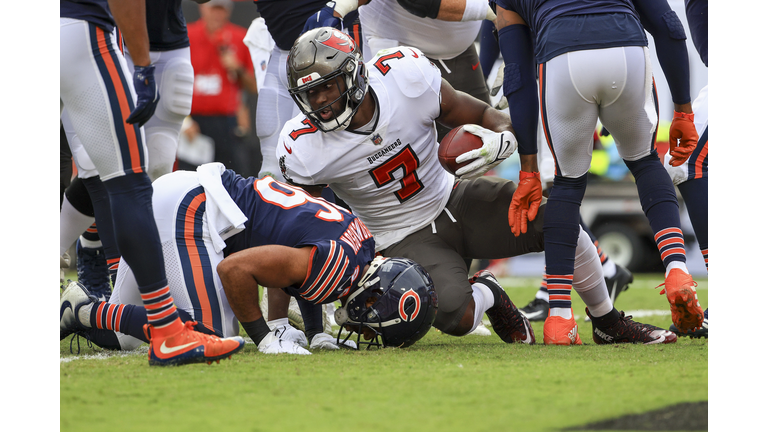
(448, 271)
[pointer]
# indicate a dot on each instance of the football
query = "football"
(456, 142)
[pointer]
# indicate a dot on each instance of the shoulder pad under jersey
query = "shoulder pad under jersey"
(413, 72)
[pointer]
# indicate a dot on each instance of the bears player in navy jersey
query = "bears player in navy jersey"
(692, 177)
(107, 110)
(223, 236)
(367, 130)
(573, 95)
(97, 255)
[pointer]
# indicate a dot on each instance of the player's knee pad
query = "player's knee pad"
(267, 115)
(176, 87)
(85, 167)
(162, 144)
(78, 196)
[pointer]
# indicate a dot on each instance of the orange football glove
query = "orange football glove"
(683, 129)
(525, 202)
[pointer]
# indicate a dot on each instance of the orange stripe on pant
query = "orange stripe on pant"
(699, 164)
(122, 94)
(194, 257)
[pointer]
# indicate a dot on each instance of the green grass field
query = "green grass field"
(442, 383)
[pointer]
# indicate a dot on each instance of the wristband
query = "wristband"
(475, 10)
(683, 115)
(343, 7)
(525, 175)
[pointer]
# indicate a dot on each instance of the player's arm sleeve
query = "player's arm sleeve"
(669, 36)
(516, 45)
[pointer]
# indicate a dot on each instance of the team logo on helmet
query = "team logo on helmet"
(339, 41)
(410, 294)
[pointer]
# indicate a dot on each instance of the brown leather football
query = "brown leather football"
(456, 142)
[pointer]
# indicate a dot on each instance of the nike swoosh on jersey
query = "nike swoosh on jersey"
(474, 66)
(169, 350)
(289, 150)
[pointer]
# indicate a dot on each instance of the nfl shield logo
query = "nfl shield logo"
(376, 138)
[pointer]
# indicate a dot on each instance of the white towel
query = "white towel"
(260, 44)
(224, 217)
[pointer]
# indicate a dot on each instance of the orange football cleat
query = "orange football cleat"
(680, 288)
(561, 331)
(189, 346)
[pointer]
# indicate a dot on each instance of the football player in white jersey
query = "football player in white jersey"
(368, 131)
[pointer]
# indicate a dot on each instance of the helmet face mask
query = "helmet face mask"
(317, 59)
(394, 304)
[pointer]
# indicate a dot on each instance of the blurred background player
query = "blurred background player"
(368, 132)
(107, 110)
(223, 72)
(620, 95)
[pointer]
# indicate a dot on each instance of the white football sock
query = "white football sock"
(609, 268)
(676, 265)
(483, 297)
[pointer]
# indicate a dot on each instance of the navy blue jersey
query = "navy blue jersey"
(286, 18)
(279, 214)
(560, 26)
(166, 26)
(94, 11)
(697, 13)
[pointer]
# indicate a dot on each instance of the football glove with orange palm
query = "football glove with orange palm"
(525, 202)
(683, 129)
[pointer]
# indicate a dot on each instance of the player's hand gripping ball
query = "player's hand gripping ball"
(455, 143)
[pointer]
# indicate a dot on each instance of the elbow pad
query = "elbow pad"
(421, 8)
(674, 26)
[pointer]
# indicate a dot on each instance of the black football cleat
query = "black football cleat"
(507, 321)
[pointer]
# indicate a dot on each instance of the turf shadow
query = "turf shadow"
(688, 416)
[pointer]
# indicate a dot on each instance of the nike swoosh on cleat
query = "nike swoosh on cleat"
(533, 314)
(169, 350)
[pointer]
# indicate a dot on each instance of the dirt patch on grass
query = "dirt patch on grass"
(689, 416)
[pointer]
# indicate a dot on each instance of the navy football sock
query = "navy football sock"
(134, 227)
(561, 235)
